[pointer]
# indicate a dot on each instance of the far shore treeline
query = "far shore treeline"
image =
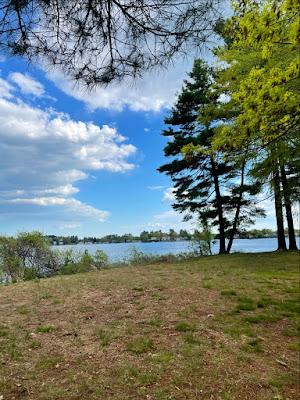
(154, 236)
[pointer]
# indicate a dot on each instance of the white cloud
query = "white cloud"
(65, 190)
(74, 205)
(170, 219)
(5, 89)
(170, 215)
(157, 187)
(27, 84)
(169, 195)
(68, 226)
(155, 91)
(44, 153)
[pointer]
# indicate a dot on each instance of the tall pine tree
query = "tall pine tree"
(207, 182)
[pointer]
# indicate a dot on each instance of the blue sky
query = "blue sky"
(79, 162)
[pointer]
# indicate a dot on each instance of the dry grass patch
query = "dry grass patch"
(221, 327)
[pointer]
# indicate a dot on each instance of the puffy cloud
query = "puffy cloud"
(155, 91)
(44, 153)
(27, 84)
(74, 205)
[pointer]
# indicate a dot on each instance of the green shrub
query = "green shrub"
(26, 256)
(137, 257)
(30, 274)
(86, 262)
(100, 259)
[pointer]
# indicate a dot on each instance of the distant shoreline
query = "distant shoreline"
(80, 242)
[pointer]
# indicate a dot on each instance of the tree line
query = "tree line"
(156, 236)
(233, 136)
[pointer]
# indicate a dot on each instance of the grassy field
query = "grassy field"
(221, 327)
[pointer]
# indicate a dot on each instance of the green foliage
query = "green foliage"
(203, 239)
(73, 263)
(208, 182)
(27, 256)
(137, 257)
(86, 262)
(262, 77)
(100, 259)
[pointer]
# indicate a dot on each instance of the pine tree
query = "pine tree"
(261, 81)
(206, 182)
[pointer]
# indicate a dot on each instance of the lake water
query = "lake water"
(119, 251)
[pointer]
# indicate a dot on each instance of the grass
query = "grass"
(142, 344)
(228, 292)
(212, 328)
(45, 329)
(184, 326)
(104, 336)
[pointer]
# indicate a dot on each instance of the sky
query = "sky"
(83, 162)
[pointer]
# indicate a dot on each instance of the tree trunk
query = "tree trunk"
(222, 248)
(238, 209)
(288, 209)
(278, 210)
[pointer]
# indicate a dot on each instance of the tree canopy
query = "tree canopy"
(261, 74)
(96, 42)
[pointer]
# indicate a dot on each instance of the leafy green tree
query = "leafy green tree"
(172, 234)
(183, 234)
(144, 236)
(262, 52)
(260, 81)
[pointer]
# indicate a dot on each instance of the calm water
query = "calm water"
(119, 251)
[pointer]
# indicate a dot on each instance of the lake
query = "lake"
(119, 251)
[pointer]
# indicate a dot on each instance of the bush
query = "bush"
(203, 239)
(27, 256)
(100, 259)
(86, 262)
(73, 263)
(137, 257)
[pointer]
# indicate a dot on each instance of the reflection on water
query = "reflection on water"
(119, 251)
